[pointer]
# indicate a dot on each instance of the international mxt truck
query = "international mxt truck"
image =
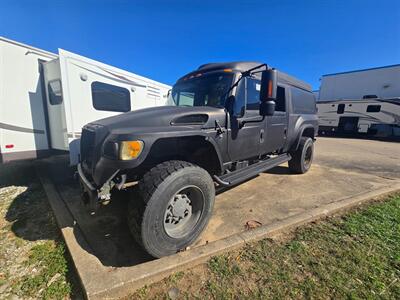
(228, 122)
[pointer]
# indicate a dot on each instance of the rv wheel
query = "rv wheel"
(175, 204)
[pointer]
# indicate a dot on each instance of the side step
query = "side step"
(252, 170)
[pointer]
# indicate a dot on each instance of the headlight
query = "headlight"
(130, 149)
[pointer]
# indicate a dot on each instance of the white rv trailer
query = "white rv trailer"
(383, 82)
(45, 99)
(362, 101)
(379, 117)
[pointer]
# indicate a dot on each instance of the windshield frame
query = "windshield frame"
(192, 77)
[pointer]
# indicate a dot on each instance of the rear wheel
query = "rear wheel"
(175, 204)
(302, 158)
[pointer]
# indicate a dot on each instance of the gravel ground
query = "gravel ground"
(33, 262)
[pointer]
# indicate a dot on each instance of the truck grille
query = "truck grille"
(87, 145)
(91, 141)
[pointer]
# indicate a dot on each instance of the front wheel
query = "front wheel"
(302, 158)
(175, 205)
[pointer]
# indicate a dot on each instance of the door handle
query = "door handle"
(261, 136)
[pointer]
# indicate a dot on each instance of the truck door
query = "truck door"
(276, 125)
(244, 141)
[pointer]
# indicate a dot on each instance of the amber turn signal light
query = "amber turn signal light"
(130, 149)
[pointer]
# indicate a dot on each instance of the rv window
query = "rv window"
(373, 108)
(340, 109)
(303, 101)
(55, 92)
(110, 97)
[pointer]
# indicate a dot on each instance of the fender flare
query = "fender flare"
(216, 149)
(208, 141)
(296, 143)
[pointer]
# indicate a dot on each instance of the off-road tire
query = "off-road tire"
(302, 159)
(155, 190)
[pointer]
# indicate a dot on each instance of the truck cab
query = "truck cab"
(227, 122)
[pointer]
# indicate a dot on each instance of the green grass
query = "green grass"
(51, 278)
(356, 256)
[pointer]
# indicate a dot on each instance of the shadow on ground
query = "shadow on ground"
(29, 212)
(105, 234)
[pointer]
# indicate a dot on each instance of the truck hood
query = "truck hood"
(165, 117)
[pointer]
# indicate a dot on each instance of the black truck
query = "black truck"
(228, 123)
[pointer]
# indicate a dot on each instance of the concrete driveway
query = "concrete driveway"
(342, 169)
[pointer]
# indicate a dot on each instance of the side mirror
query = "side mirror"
(267, 108)
(268, 89)
(269, 85)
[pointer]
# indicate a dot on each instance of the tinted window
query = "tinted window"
(373, 108)
(248, 91)
(202, 90)
(303, 101)
(340, 109)
(186, 99)
(280, 103)
(240, 99)
(253, 94)
(110, 97)
(55, 92)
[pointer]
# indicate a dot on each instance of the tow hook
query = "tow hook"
(104, 193)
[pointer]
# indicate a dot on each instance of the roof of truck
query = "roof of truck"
(242, 66)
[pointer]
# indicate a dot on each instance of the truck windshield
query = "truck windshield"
(205, 90)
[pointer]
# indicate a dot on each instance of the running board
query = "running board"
(240, 175)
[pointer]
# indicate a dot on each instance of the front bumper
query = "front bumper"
(89, 193)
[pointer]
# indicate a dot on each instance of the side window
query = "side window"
(110, 97)
(373, 108)
(280, 103)
(240, 99)
(55, 92)
(340, 108)
(253, 94)
(303, 101)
